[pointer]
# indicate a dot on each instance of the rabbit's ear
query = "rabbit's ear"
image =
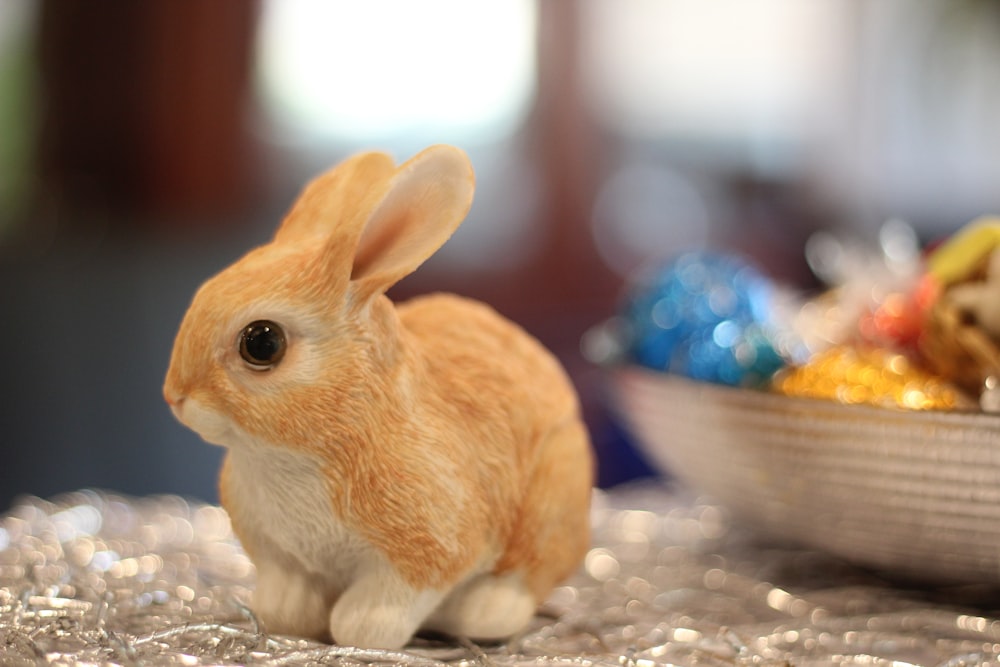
(419, 210)
(334, 196)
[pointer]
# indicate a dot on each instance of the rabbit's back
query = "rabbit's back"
(522, 441)
(482, 361)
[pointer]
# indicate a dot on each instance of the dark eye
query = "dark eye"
(262, 344)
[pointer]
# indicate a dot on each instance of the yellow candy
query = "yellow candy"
(964, 252)
(869, 376)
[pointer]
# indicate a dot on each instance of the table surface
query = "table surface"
(102, 579)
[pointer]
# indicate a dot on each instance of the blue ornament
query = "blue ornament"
(704, 316)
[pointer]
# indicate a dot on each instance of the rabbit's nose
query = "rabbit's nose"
(176, 404)
(173, 400)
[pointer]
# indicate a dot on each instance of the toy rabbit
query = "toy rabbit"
(388, 468)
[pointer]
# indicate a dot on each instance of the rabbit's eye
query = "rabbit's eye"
(262, 344)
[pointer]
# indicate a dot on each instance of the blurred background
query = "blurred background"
(146, 145)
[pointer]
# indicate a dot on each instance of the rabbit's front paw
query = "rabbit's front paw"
(288, 602)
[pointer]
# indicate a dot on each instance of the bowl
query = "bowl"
(912, 493)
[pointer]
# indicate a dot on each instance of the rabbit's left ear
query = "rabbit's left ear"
(420, 208)
(330, 198)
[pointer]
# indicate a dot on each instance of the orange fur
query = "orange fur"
(445, 437)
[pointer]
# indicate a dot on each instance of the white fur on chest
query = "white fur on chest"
(281, 502)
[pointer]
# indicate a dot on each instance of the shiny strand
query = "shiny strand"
(96, 579)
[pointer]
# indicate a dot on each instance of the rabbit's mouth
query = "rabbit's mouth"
(213, 428)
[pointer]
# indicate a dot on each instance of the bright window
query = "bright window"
(372, 71)
(753, 75)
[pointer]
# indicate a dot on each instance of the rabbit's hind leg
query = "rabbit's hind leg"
(547, 543)
(380, 609)
(553, 531)
(487, 607)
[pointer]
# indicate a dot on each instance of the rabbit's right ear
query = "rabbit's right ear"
(417, 211)
(334, 196)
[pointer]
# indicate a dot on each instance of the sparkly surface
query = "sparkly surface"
(704, 316)
(870, 376)
(97, 579)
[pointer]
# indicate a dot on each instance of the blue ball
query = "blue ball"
(705, 316)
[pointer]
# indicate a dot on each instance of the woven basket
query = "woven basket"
(913, 493)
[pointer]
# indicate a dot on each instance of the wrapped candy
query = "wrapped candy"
(897, 328)
(962, 328)
(705, 316)
(869, 376)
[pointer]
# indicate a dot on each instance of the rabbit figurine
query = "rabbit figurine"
(388, 469)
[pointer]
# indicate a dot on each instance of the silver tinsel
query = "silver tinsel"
(96, 579)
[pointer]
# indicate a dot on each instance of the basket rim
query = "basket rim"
(770, 399)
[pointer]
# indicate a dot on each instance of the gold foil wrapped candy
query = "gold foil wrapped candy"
(869, 376)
